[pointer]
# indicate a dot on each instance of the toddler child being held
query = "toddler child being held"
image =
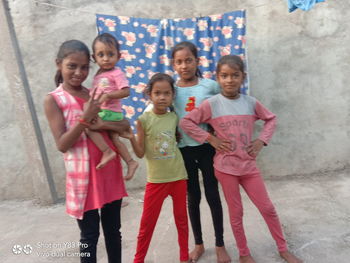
(112, 83)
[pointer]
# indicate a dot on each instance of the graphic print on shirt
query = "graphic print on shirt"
(164, 145)
(238, 148)
(244, 140)
(232, 138)
(102, 83)
(239, 139)
(243, 137)
(225, 126)
(191, 103)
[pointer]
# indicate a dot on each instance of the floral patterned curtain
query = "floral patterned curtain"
(146, 44)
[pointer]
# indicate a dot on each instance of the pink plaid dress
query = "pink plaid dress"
(86, 187)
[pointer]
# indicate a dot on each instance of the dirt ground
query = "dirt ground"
(314, 211)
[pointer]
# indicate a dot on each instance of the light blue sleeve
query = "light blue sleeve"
(217, 88)
(212, 87)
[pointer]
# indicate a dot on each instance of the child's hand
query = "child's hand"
(91, 107)
(219, 144)
(96, 124)
(104, 97)
(255, 147)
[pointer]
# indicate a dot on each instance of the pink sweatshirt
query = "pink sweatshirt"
(109, 81)
(232, 119)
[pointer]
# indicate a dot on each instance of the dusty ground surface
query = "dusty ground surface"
(314, 211)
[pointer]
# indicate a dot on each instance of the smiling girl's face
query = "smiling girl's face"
(74, 69)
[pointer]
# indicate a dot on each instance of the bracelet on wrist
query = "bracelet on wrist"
(84, 122)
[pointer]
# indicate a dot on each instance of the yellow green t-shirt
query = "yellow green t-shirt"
(164, 160)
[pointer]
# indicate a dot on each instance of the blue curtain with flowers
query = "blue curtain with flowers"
(146, 44)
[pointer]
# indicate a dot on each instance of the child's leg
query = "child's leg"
(178, 194)
(256, 190)
(110, 220)
(212, 195)
(255, 187)
(189, 155)
(89, 233)
(107, 153)
(124, 153)
(153, 201)
(230, 187)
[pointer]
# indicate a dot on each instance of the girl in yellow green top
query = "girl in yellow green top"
(166, 173)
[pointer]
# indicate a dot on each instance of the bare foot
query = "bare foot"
(107, 156)
(289, 257)
(196, 253)
(222, 255)
(132, 166)
(246, 259)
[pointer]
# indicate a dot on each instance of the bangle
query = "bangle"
(84, 122)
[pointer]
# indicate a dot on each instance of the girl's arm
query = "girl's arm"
(138, 144)
(64, 138)
(270, 120)
(264, 114)
(190, 125)
(121, 127)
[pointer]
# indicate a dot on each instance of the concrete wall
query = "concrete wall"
(22, 169)
(298, 66)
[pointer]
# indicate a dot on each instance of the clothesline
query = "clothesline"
(94, 13)
(64, 7)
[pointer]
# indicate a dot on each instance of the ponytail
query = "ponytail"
(198, 73)
(171, 108)
(58, 78)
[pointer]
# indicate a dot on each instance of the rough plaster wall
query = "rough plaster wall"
(21, 169)
(15, 176)
(303, 59)
(298, 66)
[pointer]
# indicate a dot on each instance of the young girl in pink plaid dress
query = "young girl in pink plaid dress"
(91, 195)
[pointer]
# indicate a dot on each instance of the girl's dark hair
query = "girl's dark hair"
(191, 47)
(232, 61)
(67, 48)
(106, 39)
(160, 77)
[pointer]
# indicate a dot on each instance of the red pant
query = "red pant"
(153, 201)
(255, 188)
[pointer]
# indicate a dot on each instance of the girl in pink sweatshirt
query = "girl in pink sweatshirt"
(232, 115)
